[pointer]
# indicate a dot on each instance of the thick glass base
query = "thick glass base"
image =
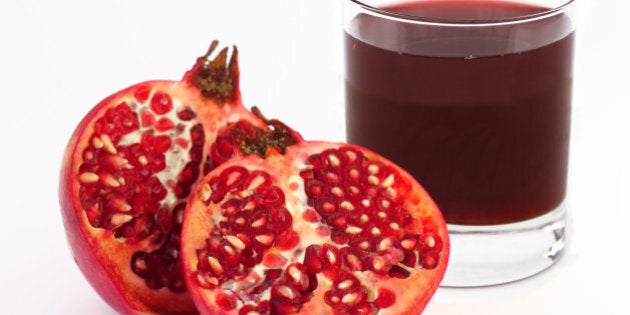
(496, 254)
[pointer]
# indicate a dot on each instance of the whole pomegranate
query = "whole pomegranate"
(127, 172)
(288, 226)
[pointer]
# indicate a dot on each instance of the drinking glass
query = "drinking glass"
(473, 98)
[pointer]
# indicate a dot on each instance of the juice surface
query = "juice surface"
(480, 117)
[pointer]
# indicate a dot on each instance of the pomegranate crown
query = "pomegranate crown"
(265, 141)
(216, 78)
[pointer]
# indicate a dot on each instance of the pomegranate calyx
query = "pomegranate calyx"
(263, 142)
(216, 78)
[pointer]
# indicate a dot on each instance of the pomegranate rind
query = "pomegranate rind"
(103, 260)
(412, 293)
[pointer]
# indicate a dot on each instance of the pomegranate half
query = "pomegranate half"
(310, 227)
(127, 171)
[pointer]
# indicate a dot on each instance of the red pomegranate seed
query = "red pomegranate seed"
(147, 119)
(226, 301)
(385, 298)
(287, 239)
(274, 260)
(181, 142)
(142, 93)
(161, 103)
(162, 143)
(164, 124)
(186, 114)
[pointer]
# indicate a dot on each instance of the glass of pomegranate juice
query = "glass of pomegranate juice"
(473, 98)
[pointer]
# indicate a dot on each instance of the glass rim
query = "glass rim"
(445, 21)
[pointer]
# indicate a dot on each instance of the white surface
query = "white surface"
(59, 58)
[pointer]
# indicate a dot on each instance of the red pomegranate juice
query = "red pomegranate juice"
(479, 115)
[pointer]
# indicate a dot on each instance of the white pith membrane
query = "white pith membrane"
(312, 232)
(103, 184)
(176, 156)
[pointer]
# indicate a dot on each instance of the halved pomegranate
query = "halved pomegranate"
(127, 172)
(311, 228)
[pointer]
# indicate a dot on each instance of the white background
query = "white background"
(59, 58)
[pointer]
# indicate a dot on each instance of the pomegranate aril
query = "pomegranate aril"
(271, 196)
(287, 239)
(228, 253)
(196, 153)
(272, 274)
(343, 301)
(152, 161)
(139, 264)
(189, 173)
(142, 93)
(330, 256)
(281, 219)
(231, 178)
(282, 291)
(177, 284)
(409, 242)
(197, 135)
(259, 220)
(147, 119)
(162, 143)
(230, 207)
(186, 114)
(257, 179)
(352, 259)
(364, 308)
(315, 189)
(182, 143)
(237, 242)
(281, 307)
(186, 178)
(117, 219)
(226, 301)
(164, 124)
(410, 259)
(161, 103)
(312, 261)
(221, 150)
(362, 243)
(430, 242)
(398, 272)
(311, 216)
(297, 276)
(251, 257)
(331, 159)
(428, 260)
(138, 228)
(239, 222)
(325, 207)
(265, 240)
(117, 204)
(248, 310)
(147, 139)
(206, 280)
(312, 282)
(385, 298)
(90, 156)
(88, 178)
(263, 308)
(339, 237)
(351, 156)
(378, 264)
